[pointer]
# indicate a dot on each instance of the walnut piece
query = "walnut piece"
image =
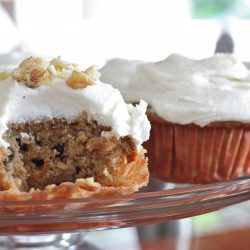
(81, 79)
(33, 72)
(59, 68)
(4, 75)
(93, 73)
(59, 64)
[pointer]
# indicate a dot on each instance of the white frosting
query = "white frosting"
(102, 103)
(183, 90)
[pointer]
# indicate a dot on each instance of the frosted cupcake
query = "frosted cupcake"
(199, 112)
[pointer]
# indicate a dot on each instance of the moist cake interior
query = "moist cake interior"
(57, 150)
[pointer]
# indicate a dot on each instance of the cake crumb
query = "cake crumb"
(25, 135)
(107, 174)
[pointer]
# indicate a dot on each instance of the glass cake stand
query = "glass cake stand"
(66, 221)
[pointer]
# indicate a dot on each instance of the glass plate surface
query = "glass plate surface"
(159, 202)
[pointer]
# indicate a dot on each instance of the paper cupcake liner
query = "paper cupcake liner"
(193, 154)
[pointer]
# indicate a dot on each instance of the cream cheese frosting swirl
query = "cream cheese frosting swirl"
(183, 90)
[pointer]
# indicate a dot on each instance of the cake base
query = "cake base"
(55, 151)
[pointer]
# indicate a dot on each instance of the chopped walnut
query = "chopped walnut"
(93, 73)
(59, 64)
(81, 79)
(4, 75)
(78, 80)
(33, 72)
(60, 69)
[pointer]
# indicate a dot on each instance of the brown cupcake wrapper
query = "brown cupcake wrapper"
(193, 154)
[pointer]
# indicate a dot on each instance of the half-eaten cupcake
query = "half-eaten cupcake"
(65, 134)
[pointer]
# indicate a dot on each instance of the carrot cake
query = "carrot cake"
(60, 124)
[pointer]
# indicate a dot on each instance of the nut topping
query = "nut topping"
(83, 78)
(34, 72)
(4, 75)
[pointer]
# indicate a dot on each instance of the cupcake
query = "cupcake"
(65, 134)
(199, 111)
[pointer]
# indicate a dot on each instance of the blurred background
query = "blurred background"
(96, 30)
(93, 31)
